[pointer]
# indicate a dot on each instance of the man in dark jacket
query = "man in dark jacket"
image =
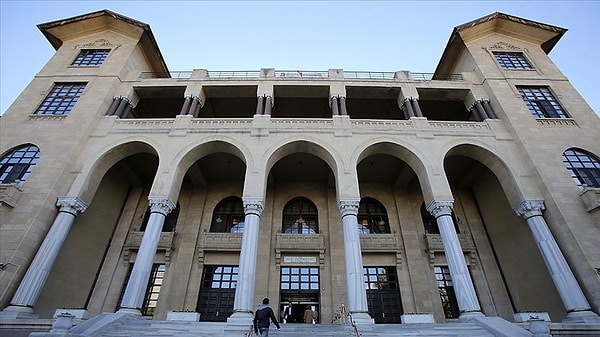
(263, 317)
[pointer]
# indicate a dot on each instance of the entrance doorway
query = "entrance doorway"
(299, 288)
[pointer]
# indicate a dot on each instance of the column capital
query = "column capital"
(348, 207)
(253, 205)
(72, 205)
(438, 208)
(162, 205)
(197, 98)
(529, 208)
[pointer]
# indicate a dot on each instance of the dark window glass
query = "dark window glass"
(18, 164)
(446, 289)
(380, 278)
(300, 217)
(430, 223)
(541, 103)
(512, 60)
(228, 216)
(61, 99)
(372, 217)
(152, 291)
(220, 277)
(91, 57)
(583, 167)
(299, 278)
(170, 220)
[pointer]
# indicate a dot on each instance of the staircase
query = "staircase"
(115, 325)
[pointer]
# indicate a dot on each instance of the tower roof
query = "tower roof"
(62, 30)
(546, 36)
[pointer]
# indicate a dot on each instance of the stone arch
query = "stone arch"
(500, 168)
(187, 157)
(299, 146)
(412, 157)
(92, 175)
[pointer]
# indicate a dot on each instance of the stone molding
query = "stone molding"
(253, 206)
(439, 208)
(348, 207)
(162, 205)
(530, 208)
(71, 205)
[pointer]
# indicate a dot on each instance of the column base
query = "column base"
(240, 319)
(469, 315)
(18, 312)
(130, 311)
(587, 316)
(361, 318)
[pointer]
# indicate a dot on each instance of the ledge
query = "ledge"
(591, 198)
(10, 193)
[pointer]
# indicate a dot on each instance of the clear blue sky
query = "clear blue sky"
(308, 35)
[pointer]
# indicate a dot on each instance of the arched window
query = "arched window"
(228, 216)
(300, 216)
(18, 164)
(170, 220)
(430, 223)
(372, 217)
(583, 167)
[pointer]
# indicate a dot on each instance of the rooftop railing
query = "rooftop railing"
(297, 74)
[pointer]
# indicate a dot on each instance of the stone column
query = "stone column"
(343, 110)
(260, 105)
(408, 108)
(120, 112)
(268, 105)
(334, 106)
(243, 305)
(135, 290)
(196, 105)
(357, 294)
(461, 278)
(186, 105)
(113, 106)
(578, 308)
(416, 107)
(488, 109)
(30, 288)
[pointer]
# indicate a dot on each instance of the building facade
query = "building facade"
(471, 191)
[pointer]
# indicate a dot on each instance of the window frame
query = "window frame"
(25, 163)
(372, 217)
(588, 174)
(59, 102)
(93, 57)
(541, 102)
(300, 216)
(445, 285)
(512, 60)
(228, 216)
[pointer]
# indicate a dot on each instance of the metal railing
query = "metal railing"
(234, 74)
(301, 74)
(371, 75)
(438, 77)
(172, 74)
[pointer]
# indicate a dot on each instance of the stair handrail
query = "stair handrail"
(249, 332)
(353, 325)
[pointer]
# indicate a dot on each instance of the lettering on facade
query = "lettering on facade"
(300, 259)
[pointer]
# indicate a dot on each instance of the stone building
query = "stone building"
(400, 196)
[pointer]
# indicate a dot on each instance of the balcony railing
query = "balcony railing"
(234, 74)
(219, 242)
(438, 77)
(371, 75)
(299, 74)
(300, 243)
(134, 241)
(172, 74)
(435, 245)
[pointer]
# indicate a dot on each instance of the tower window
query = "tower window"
(17, 164)
(583, 167)
(61, 99)
(512, 60)
(541, 103)
(90, 57)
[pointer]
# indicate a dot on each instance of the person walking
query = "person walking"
(308, 315)
(263, 317)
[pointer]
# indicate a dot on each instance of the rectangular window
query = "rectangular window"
(446, 289)
(90, 57)
(299, 278)
(512, 60)
(152, 291)
(61, 99)
(541, 103)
